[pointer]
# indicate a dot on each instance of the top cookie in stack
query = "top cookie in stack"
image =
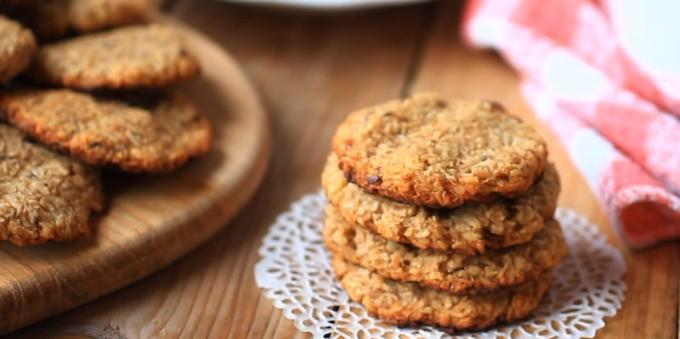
(441, 212)
(94, 91)
(427, 152)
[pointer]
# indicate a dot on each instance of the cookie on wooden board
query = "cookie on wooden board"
(426, 151)
(45, 196)
(452, 272)
(50, 19)
(157, 134)
(402, 303)
(471, 228)
(151, 55)
(17, 47)
(92, 15)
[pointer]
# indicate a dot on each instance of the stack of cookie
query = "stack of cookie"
(92, 90)
(442, 213)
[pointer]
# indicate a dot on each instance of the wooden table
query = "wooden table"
(311, 69)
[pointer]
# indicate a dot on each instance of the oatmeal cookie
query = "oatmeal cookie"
(45, 196)
(453, 272)
(17, 46)
(425, 151)
(92, 15)
(154, 135)
(50, 19)
(137, 56)
(468, 229)
(402, 303)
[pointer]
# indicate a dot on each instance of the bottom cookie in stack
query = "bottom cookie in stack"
(412, 304)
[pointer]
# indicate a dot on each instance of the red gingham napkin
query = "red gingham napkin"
(605, 76)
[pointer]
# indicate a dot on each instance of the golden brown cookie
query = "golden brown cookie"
(17, 46)
(425, 151)
(45, 196)
(92, 15)
(453, 272)
(138, 56)
(469, 229)
(157, 137)
(55, 18)
(402, 303)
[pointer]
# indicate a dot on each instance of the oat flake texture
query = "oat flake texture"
(472, 228)
(426, 151)
(44, 195)
(295, 273)
(449, 271)
(128, 57)
(150, 137)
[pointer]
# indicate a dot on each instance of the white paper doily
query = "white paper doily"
(296, 273)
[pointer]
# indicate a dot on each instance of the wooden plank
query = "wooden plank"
(651, 306)
(311, 69)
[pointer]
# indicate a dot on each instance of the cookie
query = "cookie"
(469, 229)
(410, 304)
(45, 196)
(17, 46)
(92, 15)
(453, 272)
(138, 56)
(157, 137)
(55, 18)
(425, 151)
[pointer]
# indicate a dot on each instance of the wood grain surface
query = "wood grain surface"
(149, 221)
(312, 69)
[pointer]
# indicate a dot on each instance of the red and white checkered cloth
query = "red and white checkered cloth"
(605, 76)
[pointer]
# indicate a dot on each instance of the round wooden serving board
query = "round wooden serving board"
(150, 221)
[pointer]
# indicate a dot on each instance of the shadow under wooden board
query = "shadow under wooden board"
(150, 221)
